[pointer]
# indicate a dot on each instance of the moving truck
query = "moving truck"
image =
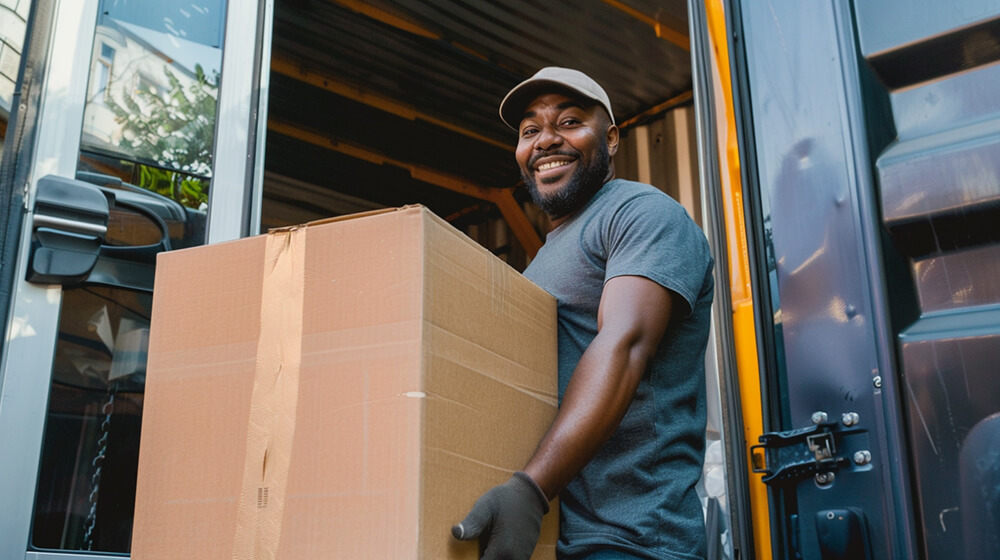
(842, 156)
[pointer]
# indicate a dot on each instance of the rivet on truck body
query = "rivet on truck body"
(863, 457)
(824, 478)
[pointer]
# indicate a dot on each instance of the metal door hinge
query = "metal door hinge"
(788, 457)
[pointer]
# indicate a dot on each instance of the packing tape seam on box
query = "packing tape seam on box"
(271, 424)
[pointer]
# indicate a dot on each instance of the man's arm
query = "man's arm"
(633, 316)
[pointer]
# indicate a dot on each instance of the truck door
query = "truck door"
(873, 150)
(114, 156)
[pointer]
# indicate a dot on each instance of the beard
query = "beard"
(581, 187)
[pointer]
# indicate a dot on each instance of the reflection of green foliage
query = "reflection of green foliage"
(174, 130)
(189, 191)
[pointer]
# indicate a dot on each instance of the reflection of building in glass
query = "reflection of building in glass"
(13, 15)
(131, 66)
(103, 68)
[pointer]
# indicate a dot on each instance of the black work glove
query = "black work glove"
(507, 519)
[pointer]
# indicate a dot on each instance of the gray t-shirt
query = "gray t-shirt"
(638, 494)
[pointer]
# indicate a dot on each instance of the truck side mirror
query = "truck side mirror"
(68, 229)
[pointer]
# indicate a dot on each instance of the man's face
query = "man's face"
(564, 151)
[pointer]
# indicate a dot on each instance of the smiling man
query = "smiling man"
(633, 277)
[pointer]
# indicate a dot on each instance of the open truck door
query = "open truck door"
(343, 73)
(872, 165)
(869, 172)
(111, 156)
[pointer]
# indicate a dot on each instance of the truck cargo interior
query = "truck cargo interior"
(382, 104)
(376, 104)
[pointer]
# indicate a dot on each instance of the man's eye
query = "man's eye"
(529, 131)
(570, 122)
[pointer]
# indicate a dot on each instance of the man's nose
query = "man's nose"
(548, 137)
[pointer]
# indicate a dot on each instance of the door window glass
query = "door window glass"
(86, 488)
(147, 139)
(151, 102)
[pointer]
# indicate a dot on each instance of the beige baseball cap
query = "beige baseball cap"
(516, 101)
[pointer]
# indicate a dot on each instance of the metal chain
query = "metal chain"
(98, 464)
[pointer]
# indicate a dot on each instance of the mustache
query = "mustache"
(568, 153)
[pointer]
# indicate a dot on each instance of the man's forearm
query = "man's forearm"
(595, 402)
(633, 317)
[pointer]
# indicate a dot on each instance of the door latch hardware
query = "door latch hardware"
(822, 446)
(787, 457)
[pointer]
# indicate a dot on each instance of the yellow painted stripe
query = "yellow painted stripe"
(657, 109)
(297, 71)
(503, 198)
(662, 30)
(387, 18)
(744, 332)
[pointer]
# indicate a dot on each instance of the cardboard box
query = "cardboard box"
(343, 390)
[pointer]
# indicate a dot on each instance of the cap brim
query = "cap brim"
(514, 104)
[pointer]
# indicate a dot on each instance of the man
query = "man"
(633, 277)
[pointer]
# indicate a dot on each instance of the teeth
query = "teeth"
(552, 165)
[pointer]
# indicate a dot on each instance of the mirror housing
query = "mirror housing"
(70, 220)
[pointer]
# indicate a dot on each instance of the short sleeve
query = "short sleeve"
(651, 235)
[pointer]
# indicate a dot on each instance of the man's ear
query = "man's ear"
(612, 137)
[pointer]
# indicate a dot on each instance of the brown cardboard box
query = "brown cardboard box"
(342, 390)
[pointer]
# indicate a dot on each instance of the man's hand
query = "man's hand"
(507, 519)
